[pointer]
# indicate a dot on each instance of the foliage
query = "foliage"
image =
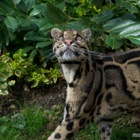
(19, 68)
(23, 125)
(114, 24)
(26, 24)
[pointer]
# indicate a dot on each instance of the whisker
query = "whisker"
(62, 47)
(86, 50)
(77, 50)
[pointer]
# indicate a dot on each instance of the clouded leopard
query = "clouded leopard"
(98, 85)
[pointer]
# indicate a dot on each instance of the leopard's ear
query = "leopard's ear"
(86, 33)
(55, 33)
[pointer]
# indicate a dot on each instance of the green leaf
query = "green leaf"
(60, 4)
(129, 16)
(26, 49)
(133, 30)
(37, 10)
(2, 38)
(5, 9)
(36, 21)
(18, 73)
(3, 92)
(28, 78)
(3, 85)
(132, 8)
(45, 25)
(103, 16)
(16, 1)
(128, 5)
(34, 37)
(134, 39)
(22, 6)
(113, 41)
(11, 82)
(32, 54)
(11, 23)
(122, 25)
(6, 34)
(2, 78)
(26, 23)
(111, 23)
(43, 44)
(46, 81)
(30, 4)
(55, 15)
(10, 73)
(20, 20)
(6, 59)
(25, 5)
(77, 25)
(17, 55)
(138, 3)
(35, 84)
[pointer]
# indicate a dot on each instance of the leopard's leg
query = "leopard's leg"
(67, 129)
(105, 128)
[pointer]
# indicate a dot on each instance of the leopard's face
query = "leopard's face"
(70, 45)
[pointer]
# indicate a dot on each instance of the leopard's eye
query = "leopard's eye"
(79, 38)
(61, 38)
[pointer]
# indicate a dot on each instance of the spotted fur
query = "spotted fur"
(98, 85)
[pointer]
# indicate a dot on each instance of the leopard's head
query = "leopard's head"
(70, 45)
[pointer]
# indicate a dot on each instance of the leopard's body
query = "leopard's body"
(99, 86)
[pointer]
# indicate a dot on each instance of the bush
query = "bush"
(114, 23)
(26, 24)
(19, 68)
(23, 25)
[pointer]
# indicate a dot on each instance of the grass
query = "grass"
(24, 125)
(31, 124)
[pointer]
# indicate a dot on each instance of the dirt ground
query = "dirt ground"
(45, 96)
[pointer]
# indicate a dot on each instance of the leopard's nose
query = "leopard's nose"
(68, 42)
